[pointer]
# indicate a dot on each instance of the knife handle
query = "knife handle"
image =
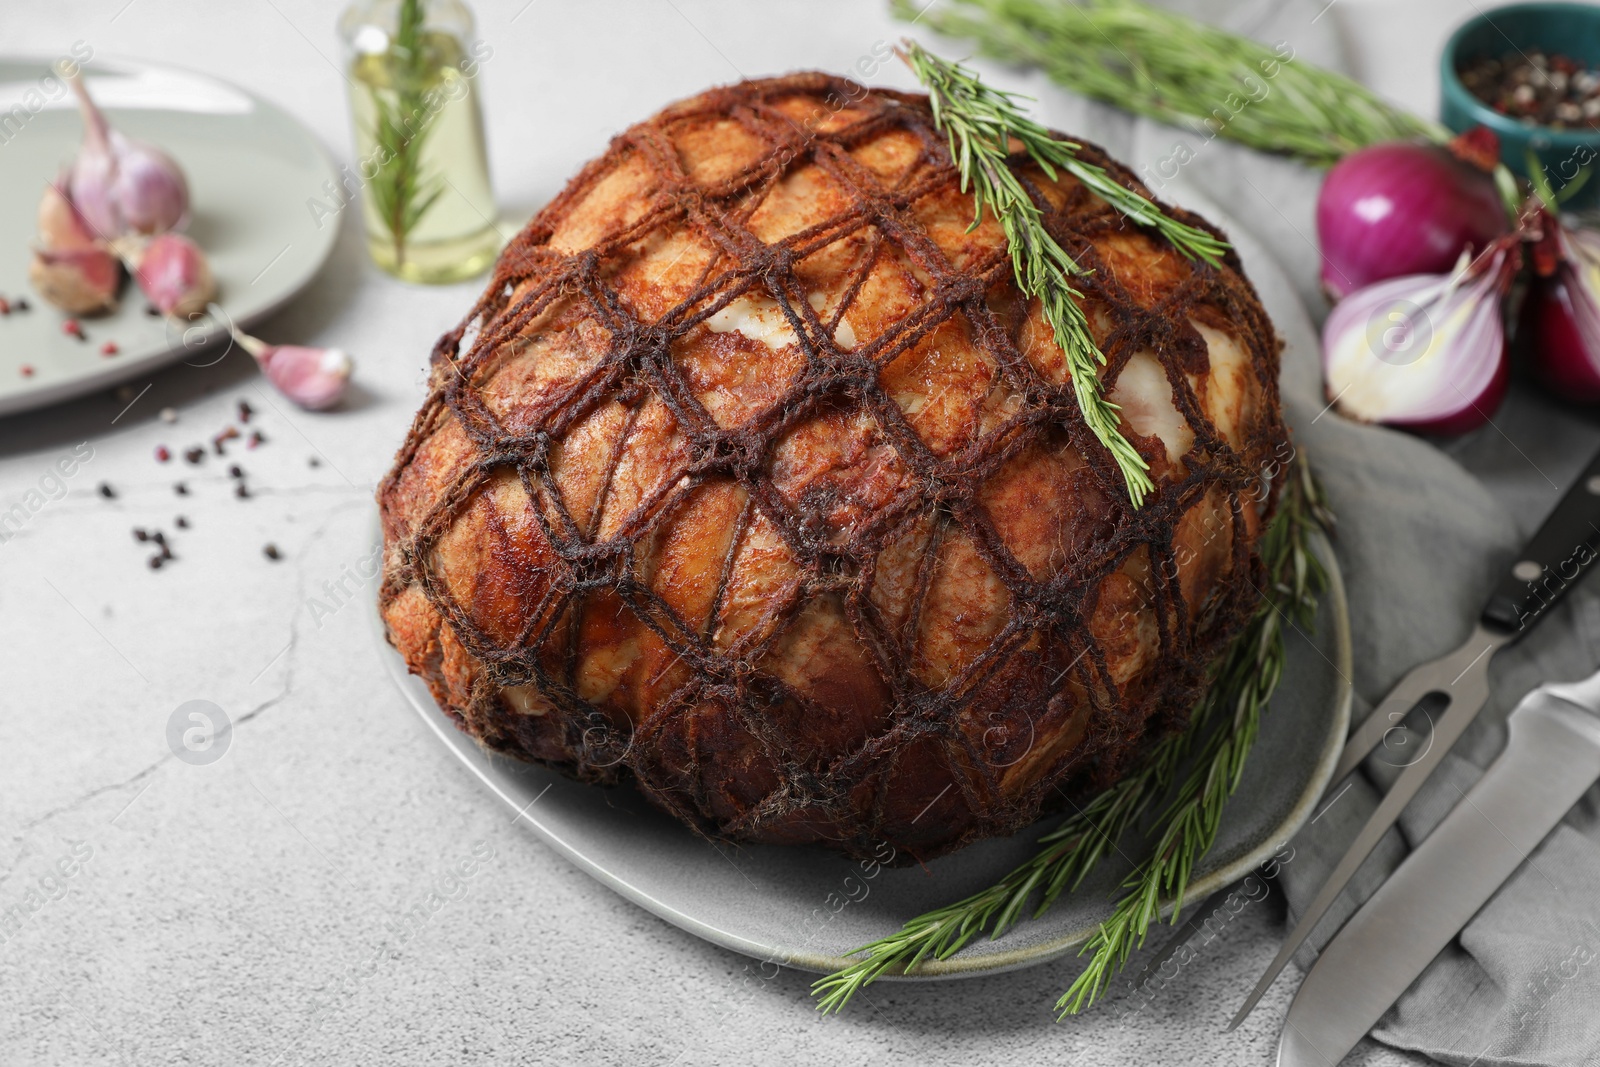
(1563, 550)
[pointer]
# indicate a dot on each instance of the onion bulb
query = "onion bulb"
(1426, 352)
(1561, 317)
(1398, 209)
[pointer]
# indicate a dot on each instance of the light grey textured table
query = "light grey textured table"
(242, 912)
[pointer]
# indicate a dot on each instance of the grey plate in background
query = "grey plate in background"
(251, 169)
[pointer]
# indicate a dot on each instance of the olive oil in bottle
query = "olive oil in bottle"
(428, 209)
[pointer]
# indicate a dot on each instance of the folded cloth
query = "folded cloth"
(1424, 529)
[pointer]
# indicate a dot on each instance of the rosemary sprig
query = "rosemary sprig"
(1176, 69)
(981, 123)
(1212, 748)
(400, 192)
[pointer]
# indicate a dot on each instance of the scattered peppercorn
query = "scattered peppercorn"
(162, 453)
(159, 538)
(245, 411)
(153, 311)
(241, 490)
(181, 522)
(109, 348)
(195, 454)
(180, 489)
(315, 462)
(270, 550)
(106, 490)
(156, 561)
(235, 472)
(256, 438)
(21, 304)
(139, 534)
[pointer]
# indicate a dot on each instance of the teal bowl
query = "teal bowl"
(1570, 29)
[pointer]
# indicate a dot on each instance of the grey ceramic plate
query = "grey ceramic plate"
(806, 907)
(251, 169)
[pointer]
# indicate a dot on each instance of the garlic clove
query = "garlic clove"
(314, 378)
(123, 185)
(61, 224)
(79, 281)
(173, 273)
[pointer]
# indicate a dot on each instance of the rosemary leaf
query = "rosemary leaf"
(400, 192)
(981, 122)
(1212, 750)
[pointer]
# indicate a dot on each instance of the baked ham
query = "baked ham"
(753, 479)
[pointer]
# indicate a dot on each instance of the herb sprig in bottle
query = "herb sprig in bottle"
(420, 161)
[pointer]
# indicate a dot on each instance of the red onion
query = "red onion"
(1425, 352)
(1399, 209)
(1561, 317)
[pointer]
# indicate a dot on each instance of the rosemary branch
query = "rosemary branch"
(1178, 70)
(1211, 749)
(981, 123)
(400, 191)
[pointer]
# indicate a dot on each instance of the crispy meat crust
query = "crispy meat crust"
(753, 478)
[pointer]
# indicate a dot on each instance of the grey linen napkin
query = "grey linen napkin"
(1424, 527)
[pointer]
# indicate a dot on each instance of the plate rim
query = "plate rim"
(956, 966)
(111, 374)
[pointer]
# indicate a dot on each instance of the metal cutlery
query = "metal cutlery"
(1552, 757)
(1560, 553)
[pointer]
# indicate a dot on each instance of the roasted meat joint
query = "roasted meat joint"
(752, 479)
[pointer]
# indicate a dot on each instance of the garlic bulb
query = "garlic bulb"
(121, 185)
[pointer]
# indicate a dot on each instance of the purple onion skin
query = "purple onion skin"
(1400, 208)
(1559, 356)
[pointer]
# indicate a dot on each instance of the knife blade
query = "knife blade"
(1552, 756)
(1561, 552)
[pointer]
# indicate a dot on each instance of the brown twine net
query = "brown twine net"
(771, 578)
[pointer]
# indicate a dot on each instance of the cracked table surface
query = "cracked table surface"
(304, 898)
